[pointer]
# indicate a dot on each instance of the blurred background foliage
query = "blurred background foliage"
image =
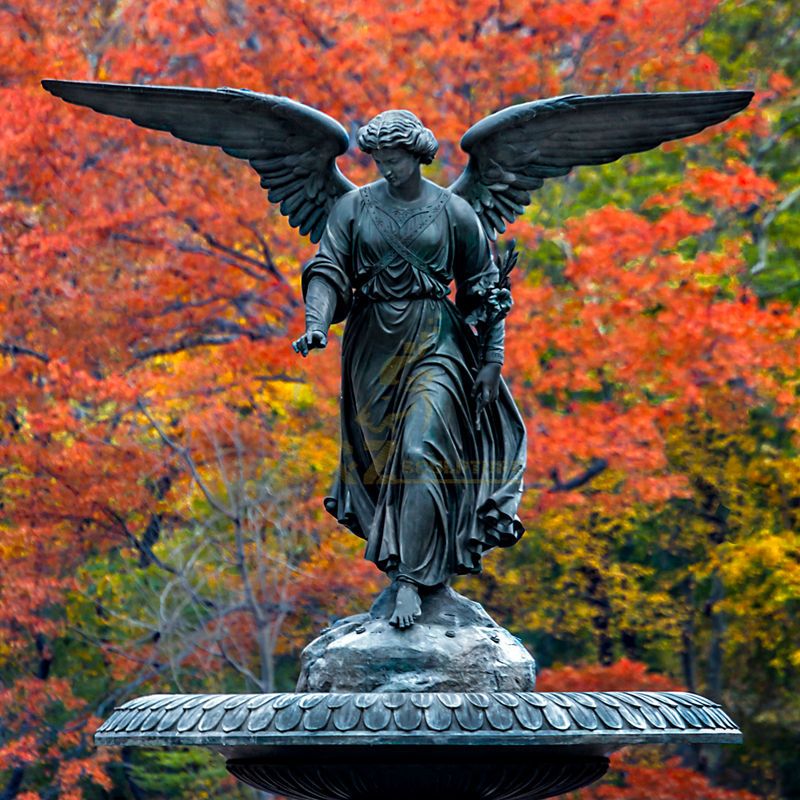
(164, 454)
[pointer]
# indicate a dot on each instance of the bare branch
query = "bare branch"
(189, 461)
(186, 343)
(596, 466)
(236, 258)
(140, 546)
(760, 234)
(11, 349)
(239, 667)
(269, 261)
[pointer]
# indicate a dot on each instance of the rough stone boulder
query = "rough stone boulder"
(455, 646)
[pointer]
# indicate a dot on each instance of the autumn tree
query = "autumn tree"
(162, 443)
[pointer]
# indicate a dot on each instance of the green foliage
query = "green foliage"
(163, 450)
(182, 771)
(760, 43)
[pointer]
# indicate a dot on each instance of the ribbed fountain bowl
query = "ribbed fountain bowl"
(425, 745)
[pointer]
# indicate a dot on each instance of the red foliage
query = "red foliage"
(140, 274)
(634, 776)
(623, 676)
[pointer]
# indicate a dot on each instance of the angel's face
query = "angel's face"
(395, 164)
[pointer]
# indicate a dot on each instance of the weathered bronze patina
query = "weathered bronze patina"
(433, 447)
(426, 745)
(433, 453)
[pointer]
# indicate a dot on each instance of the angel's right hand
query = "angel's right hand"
(310, 340)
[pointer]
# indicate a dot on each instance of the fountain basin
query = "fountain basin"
(392, 745)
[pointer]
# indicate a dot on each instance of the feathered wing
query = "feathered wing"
(512, 151)
(293, 147)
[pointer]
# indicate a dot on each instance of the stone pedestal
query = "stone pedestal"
(455, 646)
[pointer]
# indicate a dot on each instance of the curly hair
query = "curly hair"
(401, 129)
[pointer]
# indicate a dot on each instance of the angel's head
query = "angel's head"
(398, 142)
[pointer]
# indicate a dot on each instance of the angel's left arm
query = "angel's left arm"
(476, 275)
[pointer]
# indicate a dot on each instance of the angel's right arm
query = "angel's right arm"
(326, 279)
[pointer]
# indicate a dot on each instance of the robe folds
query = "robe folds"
(428, 488)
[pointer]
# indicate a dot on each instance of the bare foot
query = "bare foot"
(406, 606)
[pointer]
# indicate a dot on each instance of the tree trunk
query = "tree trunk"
(266, 655)
(688, 653)
(715, 670)
(14, 784)
(601, 621)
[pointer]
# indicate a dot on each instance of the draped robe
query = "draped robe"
(428, 490)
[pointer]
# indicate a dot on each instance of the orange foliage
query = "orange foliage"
(634, 776)
(665, 781)
(139, 274)
(623, 676)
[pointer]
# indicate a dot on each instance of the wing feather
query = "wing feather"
(293, 147)
(514, 150)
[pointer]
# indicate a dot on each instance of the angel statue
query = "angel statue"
(433, 447)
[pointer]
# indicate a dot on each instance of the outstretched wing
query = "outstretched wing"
(513, 151)
(293, 147)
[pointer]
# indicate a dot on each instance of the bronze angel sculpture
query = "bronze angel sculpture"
(433, 447)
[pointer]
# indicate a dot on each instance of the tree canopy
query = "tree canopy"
(164, 452)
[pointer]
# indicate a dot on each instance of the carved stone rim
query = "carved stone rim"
(596, 721)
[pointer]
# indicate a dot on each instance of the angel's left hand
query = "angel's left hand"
(487, 387)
